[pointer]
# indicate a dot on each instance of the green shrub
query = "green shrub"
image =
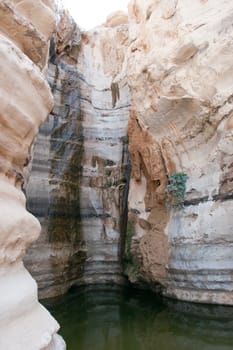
(131, 263)
(175, 191)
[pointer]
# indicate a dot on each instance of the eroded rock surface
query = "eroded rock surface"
(25, 102)
(103, 184)
(179, 69)
(78, 177)
(177, 61)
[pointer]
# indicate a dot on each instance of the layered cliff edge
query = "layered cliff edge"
(176, 60)
(25, 29)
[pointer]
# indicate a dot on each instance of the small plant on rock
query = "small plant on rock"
(175, 191)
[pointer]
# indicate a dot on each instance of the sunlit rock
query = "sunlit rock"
(179, 68)
(26, 101)
(116, 18)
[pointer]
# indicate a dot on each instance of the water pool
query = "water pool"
(128, 319)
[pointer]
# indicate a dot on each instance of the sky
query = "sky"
(90, 13)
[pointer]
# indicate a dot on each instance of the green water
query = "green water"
(93, 319)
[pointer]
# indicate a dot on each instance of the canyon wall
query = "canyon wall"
(25, 29)
(180, 72)
(78, 177)
(176, 58)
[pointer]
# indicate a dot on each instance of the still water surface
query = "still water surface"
(94, 319)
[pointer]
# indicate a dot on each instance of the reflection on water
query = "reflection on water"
(136, 320)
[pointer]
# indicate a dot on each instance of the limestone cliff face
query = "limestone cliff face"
(78, 178)
(53, 187)
(25, 102)
(103, 182)
(180, 71)
(177, 60)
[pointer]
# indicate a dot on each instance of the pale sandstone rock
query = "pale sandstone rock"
(116, 18)
(39, 13)
(18, 26)
(25, 102)
(67, 37)
(180, 71)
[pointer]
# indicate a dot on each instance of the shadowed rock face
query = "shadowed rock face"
(179, 69)
(26, 101)
(53, 190)
(78, 178)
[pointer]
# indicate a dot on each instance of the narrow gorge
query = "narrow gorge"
(79, 172)
(120, 138)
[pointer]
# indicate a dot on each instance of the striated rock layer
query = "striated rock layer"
(79, 170)
(25, 102)
(180, 71)
(103, 182)
(53, 187)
